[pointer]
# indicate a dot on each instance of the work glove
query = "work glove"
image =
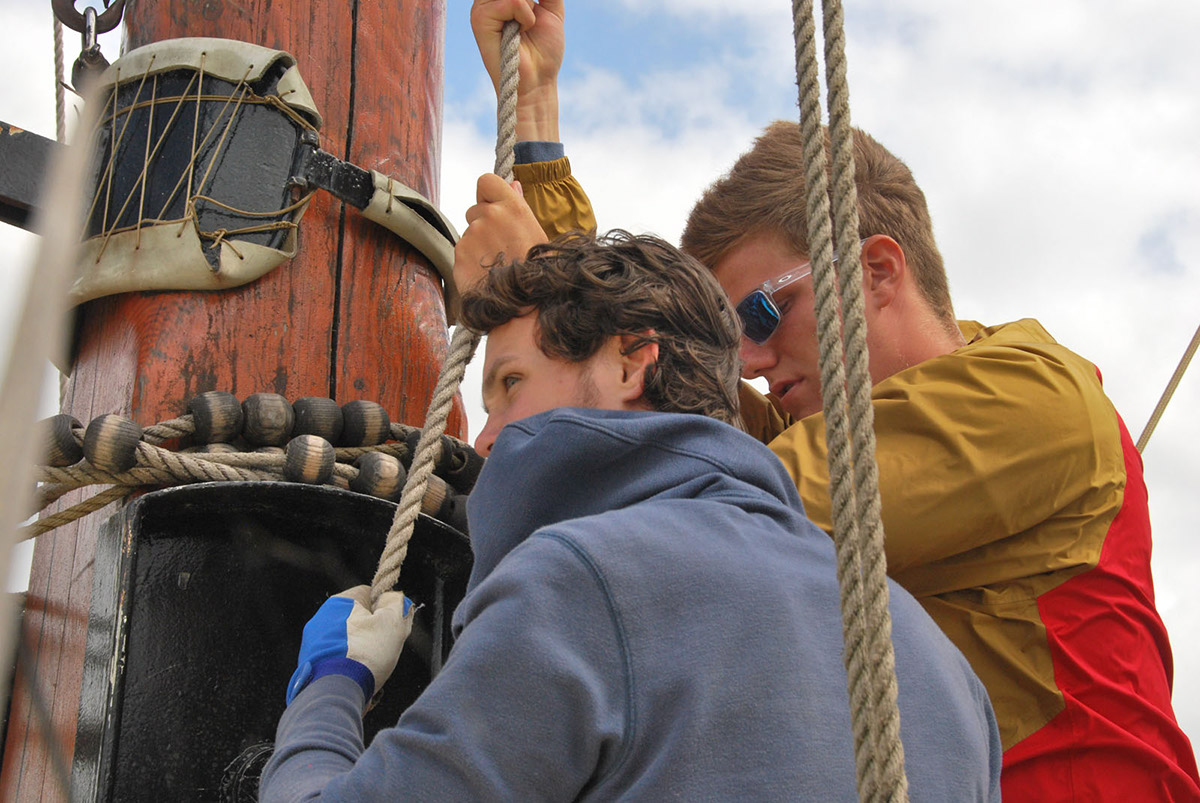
(346, 638)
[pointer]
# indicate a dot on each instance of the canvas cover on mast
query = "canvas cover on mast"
(191, 159)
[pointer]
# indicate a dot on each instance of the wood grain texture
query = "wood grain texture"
(391, 320)
(144, 355)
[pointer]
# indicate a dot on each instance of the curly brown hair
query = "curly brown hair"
(586, 289)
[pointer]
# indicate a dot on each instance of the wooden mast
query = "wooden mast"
(357, 315)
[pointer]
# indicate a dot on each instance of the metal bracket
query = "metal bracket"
(314, 168)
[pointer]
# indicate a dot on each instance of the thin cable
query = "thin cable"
(1161, 407)
(60, 97)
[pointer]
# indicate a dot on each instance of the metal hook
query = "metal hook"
(69, 16)
(91, 63)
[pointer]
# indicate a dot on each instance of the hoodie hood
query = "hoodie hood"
(573, 462)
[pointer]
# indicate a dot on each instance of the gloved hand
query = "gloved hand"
(346, 638)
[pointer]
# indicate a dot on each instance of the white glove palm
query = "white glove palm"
(346, 637)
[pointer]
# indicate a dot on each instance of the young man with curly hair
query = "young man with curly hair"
(650, 615)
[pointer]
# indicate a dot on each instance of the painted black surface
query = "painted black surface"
(243, 155)
(24, 162)
(199, 599)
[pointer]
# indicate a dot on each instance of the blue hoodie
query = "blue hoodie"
(650, 616)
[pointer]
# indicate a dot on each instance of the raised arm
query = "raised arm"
(542, 46)
(555, 197)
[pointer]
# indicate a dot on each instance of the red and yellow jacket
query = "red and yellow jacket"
(1015, 511)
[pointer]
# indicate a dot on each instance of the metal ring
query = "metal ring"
(73, 19)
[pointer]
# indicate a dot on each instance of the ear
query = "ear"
(638, 354)
(884, 270)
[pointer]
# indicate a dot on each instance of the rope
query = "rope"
(889, 749)
(1169, 391)
(462, 345)
(506, 105)
(858, 531)
(60, 99)
(60, 132)
(158, 467)
(70, 514)
(169, 430)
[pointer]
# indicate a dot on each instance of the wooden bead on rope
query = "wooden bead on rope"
(442, 503)
(110, 443)
(58, 440)
(310, 459)
(318, 416)
(379, 475)
(269, 419)
(216, 417)
(365, 423)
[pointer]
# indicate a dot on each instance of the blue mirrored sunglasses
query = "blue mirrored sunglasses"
(759, 313)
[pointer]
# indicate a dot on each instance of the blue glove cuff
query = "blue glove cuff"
(307, 672)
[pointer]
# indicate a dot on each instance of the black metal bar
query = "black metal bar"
(440, 642)
(24, 167)
(314, 167)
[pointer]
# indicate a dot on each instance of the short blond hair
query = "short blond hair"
(765, 192)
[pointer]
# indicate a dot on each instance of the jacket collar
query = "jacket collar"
(572, 462)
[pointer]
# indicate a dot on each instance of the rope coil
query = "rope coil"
(155, 466)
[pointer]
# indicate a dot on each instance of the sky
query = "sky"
(1055, 142)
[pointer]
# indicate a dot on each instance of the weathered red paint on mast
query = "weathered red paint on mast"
(358, 314)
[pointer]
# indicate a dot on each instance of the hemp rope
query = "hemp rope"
(60, 132)
(60, 99)
(1169, 391)
(890, 750)
(858, 530)
(462, 345)
(161, 467)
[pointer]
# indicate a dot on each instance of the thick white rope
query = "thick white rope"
(60, 99)
(462, 345)
(854, 489)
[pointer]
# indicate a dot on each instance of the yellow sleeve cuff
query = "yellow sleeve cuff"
(556, 197)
